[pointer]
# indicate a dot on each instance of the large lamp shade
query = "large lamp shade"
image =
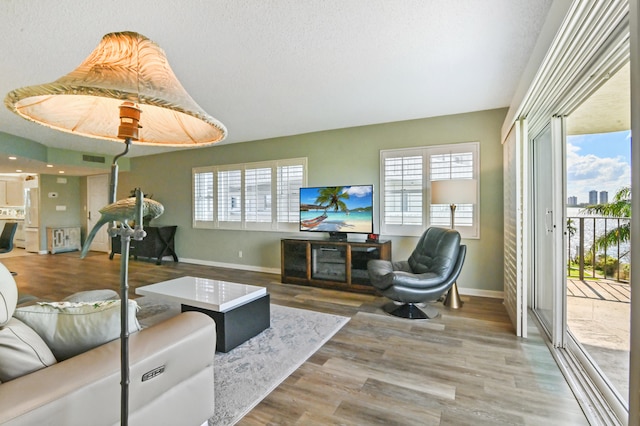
(454, 191)
(124, 67)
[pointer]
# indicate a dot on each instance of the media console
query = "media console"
(340, 265)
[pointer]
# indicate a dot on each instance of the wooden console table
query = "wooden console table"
(340, 265)
(158, 243)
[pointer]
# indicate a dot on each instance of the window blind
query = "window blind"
(403, 190)
(203, 196)
(257, 198)
(451, 165)
(229, 195)
(290, 178)
(405, 178)
(253, 196)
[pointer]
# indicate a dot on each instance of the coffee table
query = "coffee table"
(240, 311)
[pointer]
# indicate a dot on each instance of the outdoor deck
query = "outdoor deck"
(602, 289)
(598, 313)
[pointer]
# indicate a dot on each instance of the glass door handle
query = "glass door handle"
(548, 221)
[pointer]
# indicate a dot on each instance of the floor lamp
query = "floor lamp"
(454, 192)
(126, 76)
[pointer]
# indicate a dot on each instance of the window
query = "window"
(240, 196)
(406, 176)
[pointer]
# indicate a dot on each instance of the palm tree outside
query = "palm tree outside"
(615, 238)
(620, 207)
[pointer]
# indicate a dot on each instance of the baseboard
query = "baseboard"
(463, 291)
(481, 293)
(232, 266)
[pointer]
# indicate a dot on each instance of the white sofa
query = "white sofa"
(85, 389)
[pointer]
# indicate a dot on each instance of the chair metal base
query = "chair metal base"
(453, 300)
(411, 311)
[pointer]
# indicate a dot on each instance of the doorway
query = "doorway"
(598, 241)
(97, 198)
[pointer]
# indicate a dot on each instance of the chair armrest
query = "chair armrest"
(85, 389)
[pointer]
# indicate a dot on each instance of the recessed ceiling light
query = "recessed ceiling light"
(18, 171)
(13, 158)
(49, 165)
(61, 171)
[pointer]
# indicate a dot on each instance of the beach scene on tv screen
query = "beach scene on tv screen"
(337, 209)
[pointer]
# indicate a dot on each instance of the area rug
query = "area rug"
(248, 373)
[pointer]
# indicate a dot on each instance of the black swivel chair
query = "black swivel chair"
(429, 273)
(6, 238)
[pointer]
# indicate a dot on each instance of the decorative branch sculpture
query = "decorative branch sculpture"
(122, 211)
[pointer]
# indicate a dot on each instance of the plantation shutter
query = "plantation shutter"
(229, 195)
(261, 196)
(202, 197)
(406, 176)
(257, 198)
(403, 193)
(290, 178)
(451, 165)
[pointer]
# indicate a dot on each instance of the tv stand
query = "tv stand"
(340, 265)
(337, 236)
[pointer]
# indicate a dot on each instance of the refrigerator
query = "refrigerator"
(31, 220)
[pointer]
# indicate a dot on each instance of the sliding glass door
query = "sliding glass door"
(579, 296)
(548, 287)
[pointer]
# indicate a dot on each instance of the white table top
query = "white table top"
(214, 295)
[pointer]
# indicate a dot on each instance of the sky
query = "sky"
(599, 161)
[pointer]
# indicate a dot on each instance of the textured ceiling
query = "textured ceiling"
(284, 67)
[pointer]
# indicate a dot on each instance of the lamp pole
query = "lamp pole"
(453, 300)
(128, 130)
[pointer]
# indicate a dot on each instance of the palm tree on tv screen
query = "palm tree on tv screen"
(332, 197)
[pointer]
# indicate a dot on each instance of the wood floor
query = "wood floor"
(464, 368)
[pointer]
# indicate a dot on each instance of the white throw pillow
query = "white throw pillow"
(22, 351)
(72, 328)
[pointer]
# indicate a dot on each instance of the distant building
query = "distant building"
(572, 201)
(593, 197)
(604, 197)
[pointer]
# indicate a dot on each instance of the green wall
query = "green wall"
(15, 145)
(69, 196)
(345, 156)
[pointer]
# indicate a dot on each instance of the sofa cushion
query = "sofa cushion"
(72, 328)
(92, 296)
(22, 351)
(8, 295)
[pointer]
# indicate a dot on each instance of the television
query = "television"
(338, 210)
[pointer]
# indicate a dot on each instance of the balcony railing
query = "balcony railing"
(609, 261)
